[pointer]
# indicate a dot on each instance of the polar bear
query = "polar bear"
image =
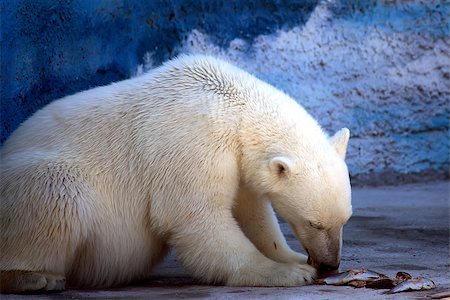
(195, 155)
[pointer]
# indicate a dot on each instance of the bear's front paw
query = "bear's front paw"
(308, 272)
(294, 275)
(275, 274)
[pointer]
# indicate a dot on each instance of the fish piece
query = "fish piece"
(357, 283)
(384, 283)
(402, 276)
(414, 284)
(353, 274)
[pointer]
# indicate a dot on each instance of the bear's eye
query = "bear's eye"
(316, 226)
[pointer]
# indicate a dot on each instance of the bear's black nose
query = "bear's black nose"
(328, 267)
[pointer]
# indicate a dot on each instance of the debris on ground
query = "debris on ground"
(359, 278)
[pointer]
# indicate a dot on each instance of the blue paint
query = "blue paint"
(50, 49)
(224, 21)
(397, 16)
(56, 48)
(416, 157)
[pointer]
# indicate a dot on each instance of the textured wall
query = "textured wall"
(54, 48)
(379, 68)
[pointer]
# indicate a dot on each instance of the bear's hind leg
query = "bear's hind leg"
(17, 281)
(43, 221)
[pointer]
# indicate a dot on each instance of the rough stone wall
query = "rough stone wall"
(49, 49)
(380, 68)
(383, 72)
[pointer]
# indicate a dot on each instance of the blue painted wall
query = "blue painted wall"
(54, 48)
(378, 67)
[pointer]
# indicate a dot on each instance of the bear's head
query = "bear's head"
(312, 193)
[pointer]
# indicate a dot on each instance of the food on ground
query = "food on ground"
(414, 284)
(357, 283)
(352, 275)
(359, 278)
(385, 283)
(389, 283)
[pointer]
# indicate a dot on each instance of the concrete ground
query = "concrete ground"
(398, 228)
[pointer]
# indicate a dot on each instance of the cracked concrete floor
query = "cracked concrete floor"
(395, 228)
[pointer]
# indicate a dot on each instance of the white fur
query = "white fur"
(98, 185)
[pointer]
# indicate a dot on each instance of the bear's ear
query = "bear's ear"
(280, 165)
(340, 141)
